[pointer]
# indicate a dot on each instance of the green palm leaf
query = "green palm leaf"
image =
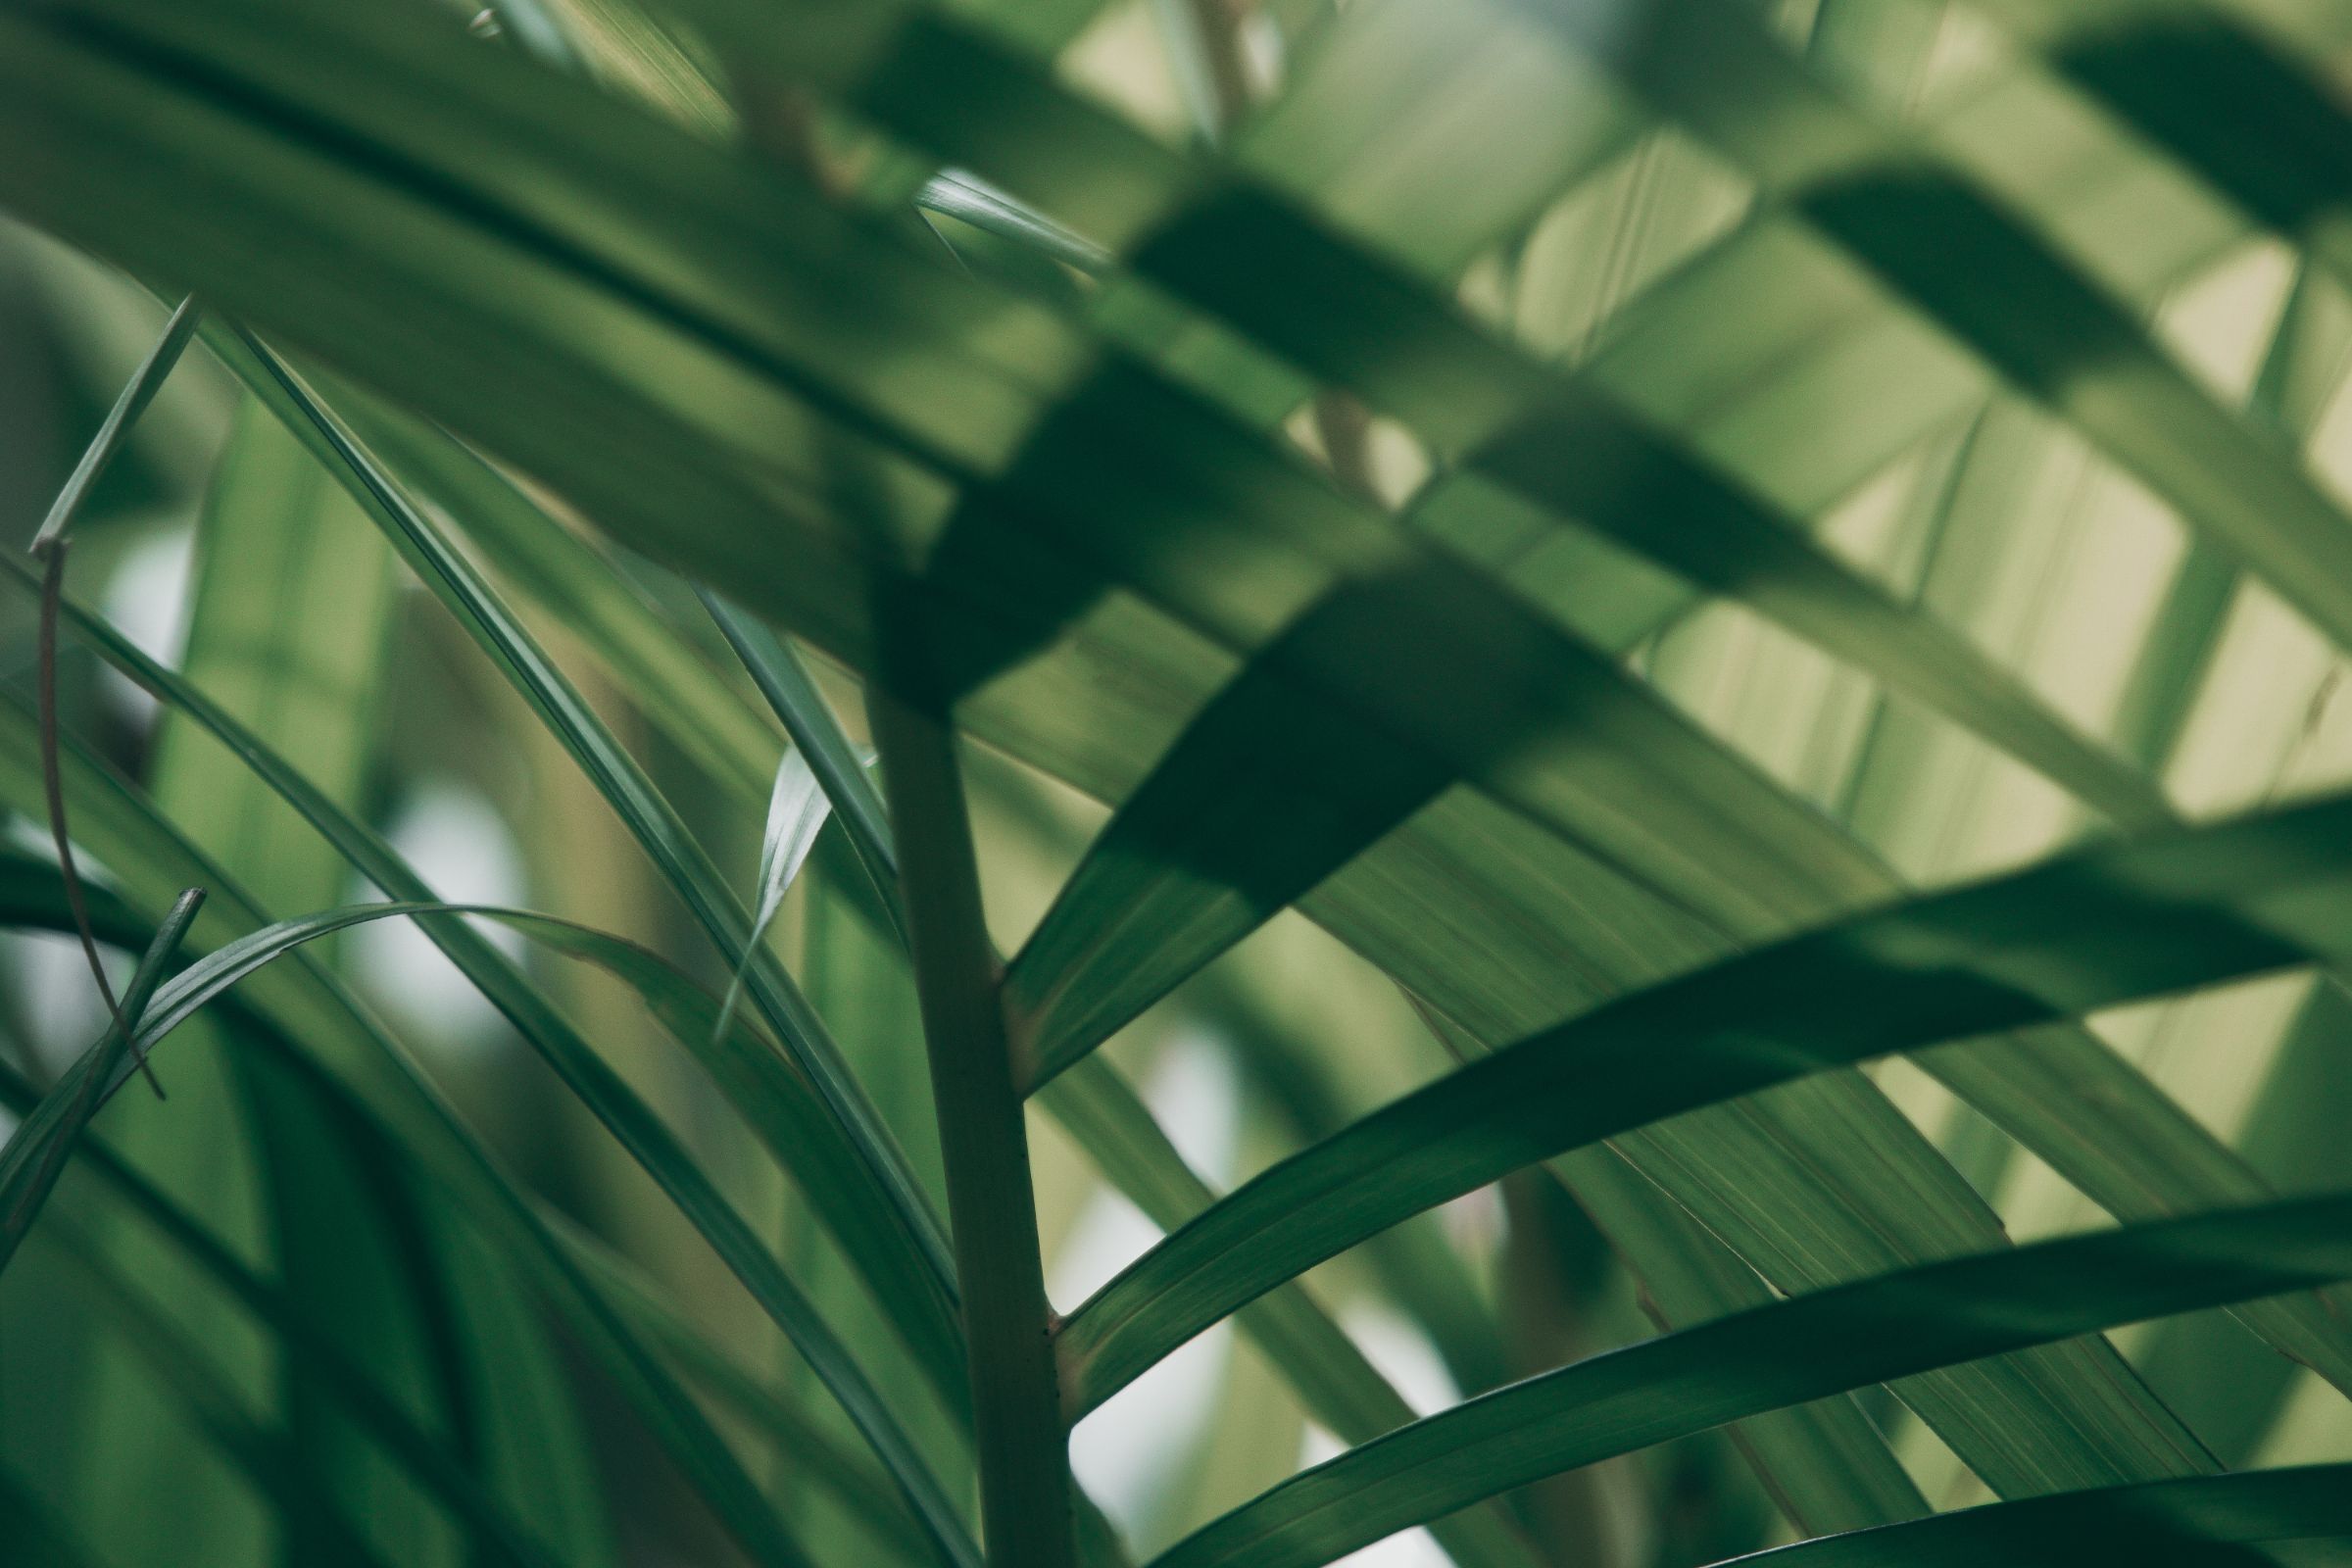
(1859, 1333)
(1770, 582)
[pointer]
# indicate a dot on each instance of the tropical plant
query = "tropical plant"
(1189, 782)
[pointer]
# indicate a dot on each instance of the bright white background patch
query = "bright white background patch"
(465, 853)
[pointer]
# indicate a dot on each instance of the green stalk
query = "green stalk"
(1097, 1108)
(1025, 1489)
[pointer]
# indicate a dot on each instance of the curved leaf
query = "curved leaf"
(1096, 1106)
(2273, 133)
(291, 601)
(37, 1152)
(690, 506)
(779, 1106)
(905, 1250)
(217, 971)
(1692, 848)
(392, 1114)
(1552, 440)
(545, 562)
(2162, 914)
(136, 394)
(2164, 1521)
(1867, 1332)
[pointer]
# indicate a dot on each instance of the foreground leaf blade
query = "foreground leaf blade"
(2155, 916)
(37, 1152)
(145, 382)
(2166, 1520)
(904, 1248)
(1868, 1332)
(392, 1114)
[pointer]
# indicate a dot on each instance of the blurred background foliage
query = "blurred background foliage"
(147, 1407)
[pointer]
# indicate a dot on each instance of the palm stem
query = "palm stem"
(1025, 1489)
